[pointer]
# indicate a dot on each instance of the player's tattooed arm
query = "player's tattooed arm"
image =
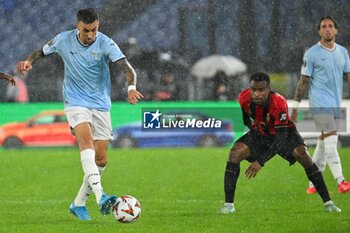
(26, 65)
(36, 55)
(129, 71)
(133, 95)
(347, 76)
(302, 86)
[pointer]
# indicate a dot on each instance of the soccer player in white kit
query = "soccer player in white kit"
(86, 53)
(323, 70)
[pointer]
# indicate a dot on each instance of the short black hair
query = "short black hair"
(327, 17)
(260, 76)
(87, 15)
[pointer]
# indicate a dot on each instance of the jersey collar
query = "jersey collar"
(81, 43)
(328, 49)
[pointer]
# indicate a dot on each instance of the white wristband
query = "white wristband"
(131, 87)
(294, 104)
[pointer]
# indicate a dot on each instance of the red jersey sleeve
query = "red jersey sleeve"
(279, 110)
(244, 99)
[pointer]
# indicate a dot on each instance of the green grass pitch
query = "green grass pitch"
(180, 190)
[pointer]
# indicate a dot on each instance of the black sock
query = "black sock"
(231, 176)
(315, 176)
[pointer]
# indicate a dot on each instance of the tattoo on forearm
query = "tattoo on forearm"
(130, 75)
(348, 78)
(129, 71)
(302, 86)
(34, 56)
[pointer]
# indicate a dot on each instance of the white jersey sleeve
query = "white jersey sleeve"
(50, 46)
(307, 67)
(112, 50)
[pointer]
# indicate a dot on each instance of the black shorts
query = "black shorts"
(258, 144)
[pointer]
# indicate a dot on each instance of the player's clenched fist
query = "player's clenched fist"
(23, 66)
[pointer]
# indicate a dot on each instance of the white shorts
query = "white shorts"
(325, 123)
(100, 122)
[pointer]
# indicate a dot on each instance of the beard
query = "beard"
(328, 37)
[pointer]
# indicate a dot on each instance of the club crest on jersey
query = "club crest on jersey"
(283, 116)
(96, 55)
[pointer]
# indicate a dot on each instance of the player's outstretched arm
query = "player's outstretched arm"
(8, 78)
(26, 65)
(302, 86)
(133, 95)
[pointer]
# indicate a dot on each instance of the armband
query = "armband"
(294, 104)
(131, 87)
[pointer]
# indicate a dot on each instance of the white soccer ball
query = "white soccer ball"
(127, 209)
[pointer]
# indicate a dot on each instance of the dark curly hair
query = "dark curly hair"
(260, 76)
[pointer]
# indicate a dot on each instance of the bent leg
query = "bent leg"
(314, 175)
(239, 152)
(319, 159)
(332, 157)
(87, 151)
(101, 147)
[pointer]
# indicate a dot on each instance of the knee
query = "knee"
(233, 158)
(302, 155)
(237, 153)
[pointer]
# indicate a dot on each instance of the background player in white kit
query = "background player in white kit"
(86, 89)
(324, 66)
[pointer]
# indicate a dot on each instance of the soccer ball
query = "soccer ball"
(127, 209)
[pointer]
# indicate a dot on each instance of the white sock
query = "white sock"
(330, 202)
(91, 172)
(85, 190)
(319, 157)
(332, 157)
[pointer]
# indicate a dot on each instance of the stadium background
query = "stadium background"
(180, 189)
(163, 35)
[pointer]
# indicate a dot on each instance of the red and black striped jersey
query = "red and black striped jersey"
(267, 118)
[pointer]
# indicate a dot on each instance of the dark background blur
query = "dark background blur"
(168, 36)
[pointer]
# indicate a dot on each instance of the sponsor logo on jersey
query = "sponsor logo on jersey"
(283, 116)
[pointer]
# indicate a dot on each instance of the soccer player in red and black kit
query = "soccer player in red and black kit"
(271, 132)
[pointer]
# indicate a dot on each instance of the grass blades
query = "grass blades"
(180, 190)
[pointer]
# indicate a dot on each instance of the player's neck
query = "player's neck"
(328, 44)
(80, 41)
